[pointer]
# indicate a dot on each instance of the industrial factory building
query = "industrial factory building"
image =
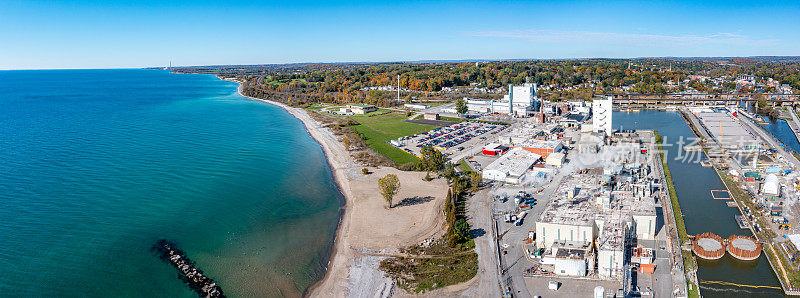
(725, 128)
(601, 115)
(518, 102)
(542, 148)
(494, 149)
(511, 167)
(608, 212)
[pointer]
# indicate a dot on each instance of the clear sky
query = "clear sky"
(112, 34)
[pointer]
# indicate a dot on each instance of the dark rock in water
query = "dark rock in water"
(197, 281)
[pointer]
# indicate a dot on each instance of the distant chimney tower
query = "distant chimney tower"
(511, 100)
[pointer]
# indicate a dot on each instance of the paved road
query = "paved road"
(479, 215)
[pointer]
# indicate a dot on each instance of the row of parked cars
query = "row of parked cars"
(454, 135)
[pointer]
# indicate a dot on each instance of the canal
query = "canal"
(693, 185)
(781, 130)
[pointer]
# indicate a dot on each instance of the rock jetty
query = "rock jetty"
(197, 281)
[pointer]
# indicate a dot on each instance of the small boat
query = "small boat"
(741, 221)
(705, 163)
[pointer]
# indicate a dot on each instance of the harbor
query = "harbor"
(701, 211)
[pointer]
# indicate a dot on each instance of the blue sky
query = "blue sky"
(112, 34)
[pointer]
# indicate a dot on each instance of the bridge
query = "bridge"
(700, 99)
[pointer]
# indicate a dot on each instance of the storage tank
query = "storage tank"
(708, 246)
(743, 247)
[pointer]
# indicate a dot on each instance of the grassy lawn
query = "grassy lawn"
(433, 104)
(464, 166)
(316, 107)
(379, 127)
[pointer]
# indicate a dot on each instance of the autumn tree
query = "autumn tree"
(461, 106)
(461, 231)
(389, 185)
(432, 159)
(346, 141)
(475, 180)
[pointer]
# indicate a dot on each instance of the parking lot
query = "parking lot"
(451, 139)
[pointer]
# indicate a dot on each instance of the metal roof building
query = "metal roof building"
(511, 167)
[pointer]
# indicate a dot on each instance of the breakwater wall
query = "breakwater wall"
(197, 281)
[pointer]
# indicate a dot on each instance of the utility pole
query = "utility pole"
(398, 88)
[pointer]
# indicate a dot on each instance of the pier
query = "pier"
(197, 281)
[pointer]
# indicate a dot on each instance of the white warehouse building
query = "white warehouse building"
(518, 102)
(511, 167)
(771, 185)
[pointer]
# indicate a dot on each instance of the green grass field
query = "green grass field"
(434, 104)
(464, 166)
(379, 127)
(317, 107)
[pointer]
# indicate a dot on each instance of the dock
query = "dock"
(721, 194)
(741, 222)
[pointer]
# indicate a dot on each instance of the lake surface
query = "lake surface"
(702, 213)
(96, 165)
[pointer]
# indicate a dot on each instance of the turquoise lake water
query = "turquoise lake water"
(96, 165)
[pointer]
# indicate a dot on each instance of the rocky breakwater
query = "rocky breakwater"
(197, 281)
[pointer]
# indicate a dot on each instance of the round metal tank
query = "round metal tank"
(708, 246)
(743, 247)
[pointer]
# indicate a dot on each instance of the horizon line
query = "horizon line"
(415, 61)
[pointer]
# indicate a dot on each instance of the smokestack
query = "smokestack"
(511, 100)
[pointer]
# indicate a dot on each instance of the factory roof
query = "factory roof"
(534, 143)
(514, 163)
(584, 208)
(579, 209)
(577, 117)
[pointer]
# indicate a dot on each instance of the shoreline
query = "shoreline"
(337, 167)
(368, 231)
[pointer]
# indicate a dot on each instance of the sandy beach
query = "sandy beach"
(368, 231)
